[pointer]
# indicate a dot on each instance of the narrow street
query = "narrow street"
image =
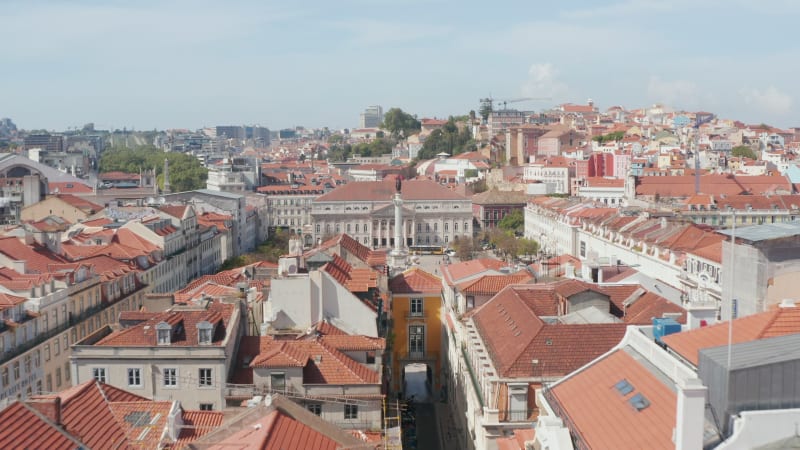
(427, 425)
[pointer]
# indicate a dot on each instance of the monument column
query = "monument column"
(397, 257)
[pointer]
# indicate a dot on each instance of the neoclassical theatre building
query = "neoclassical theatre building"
(432, 214)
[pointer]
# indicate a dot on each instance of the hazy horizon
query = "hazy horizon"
(188, 64)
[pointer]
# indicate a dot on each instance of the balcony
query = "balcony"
(415, 315)
(31, 343)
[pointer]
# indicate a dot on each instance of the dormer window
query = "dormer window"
(163, 332)
(204, 333)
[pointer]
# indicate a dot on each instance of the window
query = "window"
(455, 226)
(416, 307)
(58, 376)
(5, 376)
(277, 380)
(356, 228)
(351, 411)
(447, 227)
(370, 357)
(47, 352)
(57, 346)
(315, 408)
(416, 341)
(171, 377)
(206, 406)
(466, 226)
(204, 332)
(205, 377)
(134, 377)
(470, 302)
(27, 363)
(436, 227)
(66, 371)
(99, 374)
(348, 227)
(164, 330)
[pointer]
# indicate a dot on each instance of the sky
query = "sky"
(159, 64)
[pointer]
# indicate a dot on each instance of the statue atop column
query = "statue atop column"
(398, 183)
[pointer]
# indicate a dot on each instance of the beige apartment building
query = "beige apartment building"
(182, 354)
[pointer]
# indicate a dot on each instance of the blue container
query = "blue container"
(664, 327)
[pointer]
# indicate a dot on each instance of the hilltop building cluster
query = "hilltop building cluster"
(663, 277)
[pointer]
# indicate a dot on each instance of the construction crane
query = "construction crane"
(488, 103)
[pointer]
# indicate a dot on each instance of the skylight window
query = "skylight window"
(639, 402)
(623, 387)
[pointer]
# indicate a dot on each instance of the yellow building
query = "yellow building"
(416, 325)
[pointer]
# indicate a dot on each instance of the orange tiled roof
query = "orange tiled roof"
(144, 334)
(37, 259)
(452, 273)
(384, 191)
(278, 431)
(617, 424)
(777, 322)
(79, 203)
(197, 424)
(321, 362)
(351, 343)
(415, 280)
(177, 211)
(69, 187)
(354, 279)
(24, 428)
(514, 335)
(715, 184)
(492, 284)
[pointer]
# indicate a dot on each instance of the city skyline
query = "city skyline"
(193, 64)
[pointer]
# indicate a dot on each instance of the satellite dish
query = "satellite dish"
(161, 200)
(292, 268)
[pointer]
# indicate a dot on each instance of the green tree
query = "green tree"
(743, 151)
(528, 248)
(513, 222)
(186, 172)
(450, 139)
(610, 137)
(400, 123)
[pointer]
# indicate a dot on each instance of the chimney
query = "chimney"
(690, 414)
(49, 407)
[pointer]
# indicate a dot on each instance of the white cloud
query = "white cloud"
(675, 93)
(543, 81)
(769, 100)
